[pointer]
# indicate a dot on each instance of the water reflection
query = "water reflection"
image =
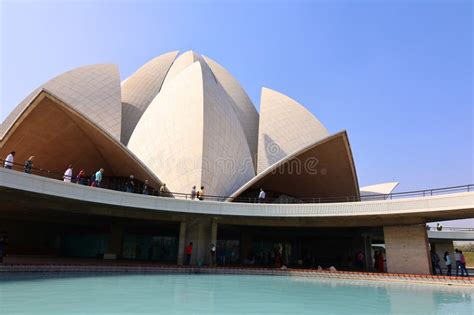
(223, 294)
(408, 298)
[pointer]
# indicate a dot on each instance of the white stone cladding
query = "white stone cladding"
(139, 89)
(244, 108)
(190, 135)
(182, 62)
(93, 91)
(378, 189)
(285, 127)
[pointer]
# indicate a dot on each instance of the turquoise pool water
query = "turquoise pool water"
(221, 294)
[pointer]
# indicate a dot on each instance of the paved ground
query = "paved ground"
(53, 264)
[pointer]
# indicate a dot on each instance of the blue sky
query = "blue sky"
(397, 75)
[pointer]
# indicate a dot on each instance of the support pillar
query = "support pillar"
(214, 232)
(407, 249)
(182, 243)
(201, 233)
(367, 243)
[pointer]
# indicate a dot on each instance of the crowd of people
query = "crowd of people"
(68, 176)
(459, 259)
(10, 160)
(95, 180)
(131, 185)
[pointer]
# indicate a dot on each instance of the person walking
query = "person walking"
(193, 192)
(435, 263)
(67, 177)
(80, 178)
(163, 190)
(213, 255)
(29, 164)
(447, 261)
(457, 259)
(98, 177)
(9, 160)
(463, 264)
(261, 196)
(92, 180)
(188, 252)
(145, 187)
(130, 184)
(200, 193)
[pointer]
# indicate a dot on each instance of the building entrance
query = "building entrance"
(343, 248)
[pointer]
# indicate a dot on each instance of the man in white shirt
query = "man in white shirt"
(261, 196)
(213, 255)
(68, 174)
(9, 160)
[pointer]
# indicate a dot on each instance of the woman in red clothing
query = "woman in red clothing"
(188, 251)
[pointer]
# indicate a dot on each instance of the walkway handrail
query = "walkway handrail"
(450, 229)
(289, 200)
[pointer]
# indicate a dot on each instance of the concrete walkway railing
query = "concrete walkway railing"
(449, 203)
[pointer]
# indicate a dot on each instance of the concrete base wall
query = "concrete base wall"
(182, 244)
(407, 249)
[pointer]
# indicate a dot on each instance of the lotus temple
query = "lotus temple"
(183, 120)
